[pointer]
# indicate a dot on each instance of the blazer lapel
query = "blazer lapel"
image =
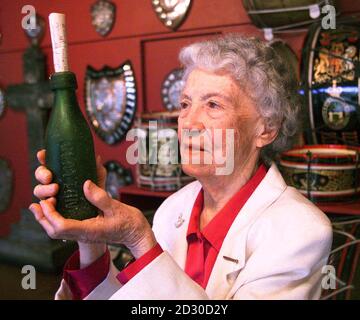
(176, 237)
(232, 255)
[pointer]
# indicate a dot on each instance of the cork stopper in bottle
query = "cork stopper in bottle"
(59, 41)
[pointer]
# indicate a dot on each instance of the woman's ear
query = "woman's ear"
(265, 135)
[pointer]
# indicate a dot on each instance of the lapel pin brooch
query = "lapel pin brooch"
(179, 221)
(231, 259)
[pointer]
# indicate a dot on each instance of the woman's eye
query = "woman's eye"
(183, 105)
(213, 105)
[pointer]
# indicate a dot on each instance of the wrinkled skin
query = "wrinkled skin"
(116, 222)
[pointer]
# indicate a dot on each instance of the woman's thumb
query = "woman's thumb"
(101, 172)
(97, 196)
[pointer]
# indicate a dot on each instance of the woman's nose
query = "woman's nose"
(193, 120)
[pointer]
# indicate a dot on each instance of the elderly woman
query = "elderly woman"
(240, 235)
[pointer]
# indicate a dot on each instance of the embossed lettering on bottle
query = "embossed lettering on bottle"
(72, 197)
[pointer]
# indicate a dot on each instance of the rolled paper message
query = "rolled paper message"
(59, 41)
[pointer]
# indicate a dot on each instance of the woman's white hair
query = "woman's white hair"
(258, 70)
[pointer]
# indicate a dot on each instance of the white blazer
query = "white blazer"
(278, 245)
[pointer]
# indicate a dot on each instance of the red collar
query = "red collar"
(216, 230)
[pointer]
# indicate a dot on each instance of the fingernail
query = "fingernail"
(31, 207)
(89, 184)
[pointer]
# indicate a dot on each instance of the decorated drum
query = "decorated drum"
(159, 165)
(330, 78)
(323, 173)
(282, 14)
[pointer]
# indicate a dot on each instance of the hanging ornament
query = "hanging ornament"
(103, 16)
(172, 13)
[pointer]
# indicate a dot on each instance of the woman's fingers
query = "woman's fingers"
(54, 217)
(41, 156)
(43, 175)
(36, 209)
(52, 200)
(46, 191)
(57, 227)
(52, 222)
(62, 228)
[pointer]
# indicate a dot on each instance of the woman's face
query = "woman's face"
(211, 104)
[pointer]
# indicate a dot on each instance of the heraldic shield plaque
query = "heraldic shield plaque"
(172, 13)
(110, 99)
(103, 16)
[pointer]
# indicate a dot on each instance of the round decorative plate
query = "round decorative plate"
(171, 89)
(117, 177)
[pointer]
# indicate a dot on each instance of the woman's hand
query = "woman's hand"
(116, 223)
(47, 190)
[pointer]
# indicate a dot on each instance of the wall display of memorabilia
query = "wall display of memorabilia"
(110, 99)
(103, 16)
(6, 184)
(279, 14)
(171, 89)
(117, 177)
(171, 13)
(323, 173)
(329, 63)
(159, 167)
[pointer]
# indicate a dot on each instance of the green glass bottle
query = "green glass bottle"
(69, 149)
(69, 146)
